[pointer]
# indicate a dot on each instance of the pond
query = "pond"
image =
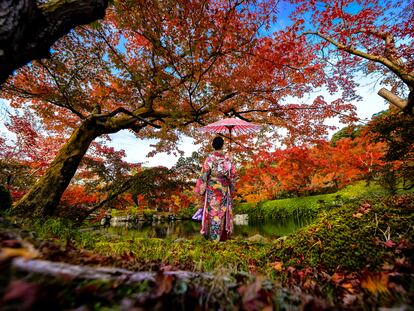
(189, 229)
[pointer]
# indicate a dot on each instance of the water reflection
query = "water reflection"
(272, 228)
(189, 229)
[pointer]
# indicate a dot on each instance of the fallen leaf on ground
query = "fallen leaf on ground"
(277, 265)
(8, 253)
(375, 282)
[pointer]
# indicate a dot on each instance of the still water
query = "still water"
(190, 229)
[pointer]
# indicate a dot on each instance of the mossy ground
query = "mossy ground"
(353, 236)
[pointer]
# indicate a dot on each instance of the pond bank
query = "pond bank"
(358, 254)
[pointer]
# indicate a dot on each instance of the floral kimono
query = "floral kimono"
(217, 185)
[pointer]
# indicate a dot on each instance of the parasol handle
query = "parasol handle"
(230, 128)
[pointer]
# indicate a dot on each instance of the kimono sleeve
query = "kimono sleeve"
(201, 183)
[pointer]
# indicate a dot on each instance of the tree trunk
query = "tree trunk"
(28, 29)
(45, 195)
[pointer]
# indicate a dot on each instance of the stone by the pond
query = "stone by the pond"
(257, 238)
(241, 219)
(179, 240)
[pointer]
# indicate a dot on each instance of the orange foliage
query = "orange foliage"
(306, 170)
(76, 195)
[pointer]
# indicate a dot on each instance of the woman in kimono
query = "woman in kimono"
(216, 185)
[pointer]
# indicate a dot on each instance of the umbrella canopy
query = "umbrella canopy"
(230, 125)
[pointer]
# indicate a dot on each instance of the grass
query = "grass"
(193, 255)
(335, 238)
(57, 229)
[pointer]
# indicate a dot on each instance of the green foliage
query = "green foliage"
(306, 206)
(397, 131)
(117, 212)
(351, 131)
(187, 213)
(188, 168)
(5, 200)
(56, 228)
(148, 213)
(130, 210)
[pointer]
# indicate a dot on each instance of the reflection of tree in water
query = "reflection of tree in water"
(158, 230)
(173, 229)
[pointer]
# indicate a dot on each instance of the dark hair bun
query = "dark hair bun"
(218, 143)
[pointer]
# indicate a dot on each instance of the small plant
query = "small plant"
(148, 213)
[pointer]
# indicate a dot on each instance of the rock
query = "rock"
(257, 238)
(241, 219)
(179, 240)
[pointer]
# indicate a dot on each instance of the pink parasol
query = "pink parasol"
(230, 125)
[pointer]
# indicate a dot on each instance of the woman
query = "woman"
(217, 185)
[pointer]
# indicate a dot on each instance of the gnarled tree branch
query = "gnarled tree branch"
(391, 63)
(28, 30)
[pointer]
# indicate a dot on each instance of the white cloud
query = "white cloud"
(136, 149)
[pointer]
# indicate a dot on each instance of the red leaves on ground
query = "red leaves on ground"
(362, 210)
(375, 283)
(26, 294)
(255, 296)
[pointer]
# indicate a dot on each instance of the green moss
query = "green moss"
(341, 238)
(196, 255)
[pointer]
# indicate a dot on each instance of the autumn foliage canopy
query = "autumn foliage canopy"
(162, 69)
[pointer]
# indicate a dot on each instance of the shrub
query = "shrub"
(5, 200)
(307, 206)
(56, 228)
(187, 213)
